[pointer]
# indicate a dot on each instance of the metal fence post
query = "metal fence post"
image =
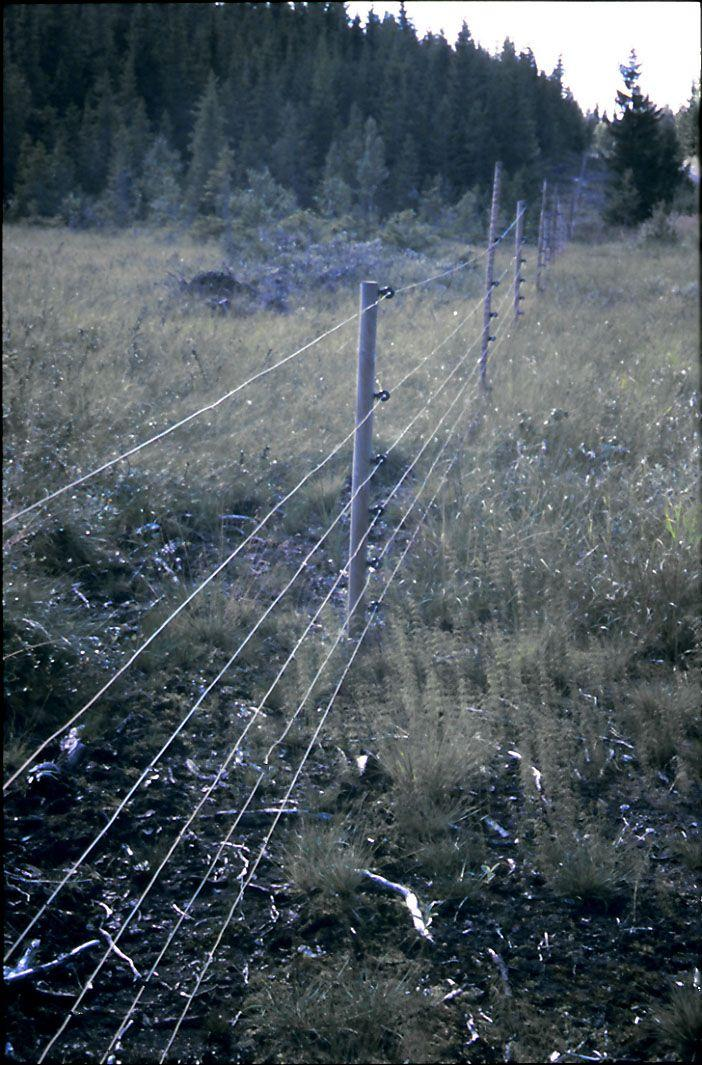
(541, 246)
(368, 318)
(518, 260)
(488, 313)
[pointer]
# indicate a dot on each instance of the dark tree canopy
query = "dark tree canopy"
(645, 156)
(97, 94)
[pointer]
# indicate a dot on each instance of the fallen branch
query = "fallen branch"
(410, 901)
(120, 954)
(502, 969)
(24, 970)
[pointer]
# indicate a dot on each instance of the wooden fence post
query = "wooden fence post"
(518, 260)
(578, 185)
(488, 313)
(368, 319)
(550, 233)
(571, 209)
(541, 246)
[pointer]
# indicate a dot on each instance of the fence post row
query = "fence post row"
(571, 210)
(518, 259)
(560, 235)
(541, 246)
(488, 313)
(551, 231)
(363, 438)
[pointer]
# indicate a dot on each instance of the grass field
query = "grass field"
(527, 697)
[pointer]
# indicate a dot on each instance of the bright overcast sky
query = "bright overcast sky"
(593, 38)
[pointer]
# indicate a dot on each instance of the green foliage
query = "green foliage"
(17, 107)
(291, 91)
(348, 1012)
(680, 1022)
(206, 146)
(585, 866)
(645, 161)
(371, 172)
(535, 664)
(43, 178)
(658, 229)
(326, 862)
(261, 201)
(470, 216)
(160, 183)
(687, 124)
(404, 230)
(335, 197)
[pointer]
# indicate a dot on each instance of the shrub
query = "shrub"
(404, 230)
(658, 229)
(347, 1012)
(326, 860)
(680, 1023)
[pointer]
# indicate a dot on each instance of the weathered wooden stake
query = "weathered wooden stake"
(518, 260)
(368, 319)
(578, 185)
(541, 246)
(550, 234)
(571, 209)
(558, 241)
(488, 313)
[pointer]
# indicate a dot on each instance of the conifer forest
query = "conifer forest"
(351, 545)
(117, 101)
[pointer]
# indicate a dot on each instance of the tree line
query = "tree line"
(122, 112)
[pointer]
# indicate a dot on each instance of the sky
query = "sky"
(592, 37)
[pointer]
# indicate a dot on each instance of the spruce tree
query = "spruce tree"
(371, 171)
(206, 145)
(44, 178)
(217, 192)
(335, 197)
(687, 123)
(17, 105)
(122, 200)
(290, 156)
(160, 183)
(96, 136)
(32, 185)
(279, 84)
(643, 156)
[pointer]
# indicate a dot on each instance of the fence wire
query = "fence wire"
(251, 870)
(257, 784)
(188, 716)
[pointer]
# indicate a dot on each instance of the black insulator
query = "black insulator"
(378, 460)
(491, 338)
(383, 395)
(386, 293)
(493, 314)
